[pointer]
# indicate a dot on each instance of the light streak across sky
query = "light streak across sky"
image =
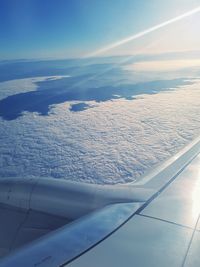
(143, 33)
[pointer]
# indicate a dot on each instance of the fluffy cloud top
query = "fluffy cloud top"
(116, 141)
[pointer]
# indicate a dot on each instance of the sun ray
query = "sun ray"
(143, 33)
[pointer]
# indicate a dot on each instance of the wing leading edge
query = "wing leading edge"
(159, 227)
(165, 230)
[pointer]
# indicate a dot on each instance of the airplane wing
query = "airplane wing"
(153, 222)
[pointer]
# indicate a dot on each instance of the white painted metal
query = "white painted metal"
(160, 232)
(164, 232)
(68, 242)
(64, 198)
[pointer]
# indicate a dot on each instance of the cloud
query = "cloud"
(164, 65)
(115, 142)
(53, 91)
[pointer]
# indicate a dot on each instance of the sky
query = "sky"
(76, 28)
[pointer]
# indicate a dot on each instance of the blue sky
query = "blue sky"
(73, 28)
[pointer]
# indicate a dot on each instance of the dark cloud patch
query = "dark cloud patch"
(79, 107)
(51, 92)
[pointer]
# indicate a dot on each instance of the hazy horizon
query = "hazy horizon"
(75, 29)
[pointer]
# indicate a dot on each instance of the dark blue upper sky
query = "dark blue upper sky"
(71, 28)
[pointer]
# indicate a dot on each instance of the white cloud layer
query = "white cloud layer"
(163, 65)
(114, 142)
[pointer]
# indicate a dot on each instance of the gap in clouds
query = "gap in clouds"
(51, 92)
(99, 80)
